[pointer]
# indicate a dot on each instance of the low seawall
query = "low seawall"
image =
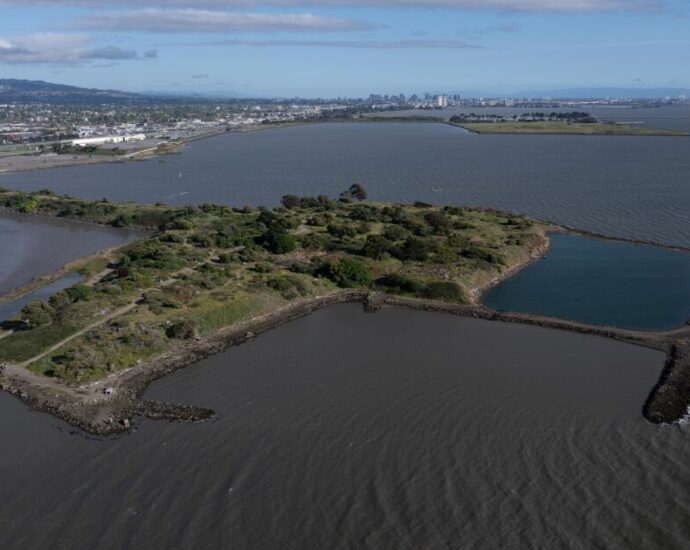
(114, 413)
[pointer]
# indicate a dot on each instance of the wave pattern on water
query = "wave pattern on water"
(626, 186)
(426, 434)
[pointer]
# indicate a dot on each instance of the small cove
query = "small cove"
(601, 282)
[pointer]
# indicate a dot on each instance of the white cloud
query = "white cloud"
(58, 48)
(354, 44)
(502, 5)
(193, 20)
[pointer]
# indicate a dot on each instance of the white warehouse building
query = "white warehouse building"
(108, 139)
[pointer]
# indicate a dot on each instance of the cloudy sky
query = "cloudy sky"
(346, 47)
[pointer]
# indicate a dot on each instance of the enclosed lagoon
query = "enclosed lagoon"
(13, 307)
(601, 282)
(32, 246)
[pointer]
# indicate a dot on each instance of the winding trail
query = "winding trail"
(117, 313)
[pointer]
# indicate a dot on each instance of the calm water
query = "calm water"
(602, 282)
(32, 246)
(425, 434)
(395, 430)
(9, 309)
(674, 117)
(625, 186)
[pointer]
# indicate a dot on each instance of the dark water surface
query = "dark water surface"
(9, 309)
(31, 246)
(601, 282)
(401, 430)
(625, 186)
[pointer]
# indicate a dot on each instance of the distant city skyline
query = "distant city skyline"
(347, 47)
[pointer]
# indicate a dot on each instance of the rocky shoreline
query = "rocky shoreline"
(109, 405)
(97, 413)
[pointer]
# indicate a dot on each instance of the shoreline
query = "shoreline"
(70, 267)
(169, 148)
(109, 405)
(88, 408)
(172, 148)
(634, 132)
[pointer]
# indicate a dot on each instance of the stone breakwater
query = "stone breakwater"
(110, 405)
(95, 412)
(670, 398)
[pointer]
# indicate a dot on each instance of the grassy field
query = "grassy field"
(566, 128)
(209, 267)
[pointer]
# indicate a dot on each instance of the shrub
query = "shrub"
(79, 292)
(395, 233)
(437, 220)
(60, 300)
(444, 291)
(346, 272)
(184, 329)
(279, 243)
(483, 254)
(37, 313)
(290, 201)
(356, 191)
(315, 241)
(123, 220)
(180, 224)
(341, 231)
(289, 286)
(202, 240)
(414, 249)
(376, 246)
(365, 213)
(401, 283)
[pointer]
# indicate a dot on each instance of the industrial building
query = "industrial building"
(108, 139)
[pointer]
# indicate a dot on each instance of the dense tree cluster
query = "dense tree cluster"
(204, 267)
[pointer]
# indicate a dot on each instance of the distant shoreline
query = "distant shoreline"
(564, 129)
(44, 162)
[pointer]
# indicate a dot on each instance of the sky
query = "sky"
(334, 48)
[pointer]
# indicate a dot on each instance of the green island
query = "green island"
(554, 127)
(577, 123)
(210, 276)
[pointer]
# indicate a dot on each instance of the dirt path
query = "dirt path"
(109, 317)
(98, 277)
(116, 313)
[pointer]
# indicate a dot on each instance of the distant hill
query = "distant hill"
(38, 91)
(599, 93)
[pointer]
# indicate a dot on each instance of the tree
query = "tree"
(358, 192)
(355, 191)
(78, 292)
(437, 220)
(346, 272)
(395, 233)
(290, 201)
(376, 246)
(278, 242)
(413, 249)
(60, 300)
(37, 313)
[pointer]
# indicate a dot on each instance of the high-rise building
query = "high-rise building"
(442, 101)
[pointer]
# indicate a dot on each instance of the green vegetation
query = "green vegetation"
(207, 267)
(557, 127)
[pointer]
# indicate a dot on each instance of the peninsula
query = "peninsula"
(211, 276)
(576, 123)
